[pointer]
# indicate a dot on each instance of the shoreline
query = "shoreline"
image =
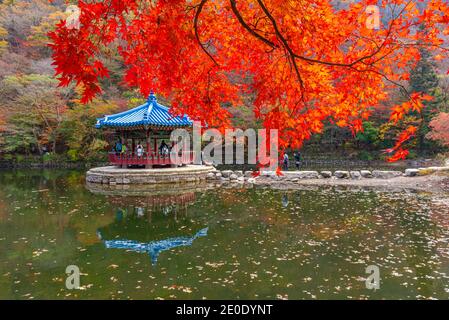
(430, 183)
(432, 179)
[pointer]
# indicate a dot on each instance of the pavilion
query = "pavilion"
(148, 125)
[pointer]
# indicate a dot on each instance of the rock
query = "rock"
(276, 177)
(355, 174)
(411, 172)
(248, 185)
(439, 168)
(239, 173)
(210, 176)
(224, 179)
(301, 175)
(326, 174)
(112, 183)
(251, 180)
(218, 175)
(294, 180)
(380, 174)
(341, 174)
(425, 171)
(233, 176)
(248, 174)
(446, 162)
(366, 174)
(126, 181)
(226, 173)
(267, 173)
(241, 179)
(308, 175)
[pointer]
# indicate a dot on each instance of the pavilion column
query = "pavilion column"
(148, 166)
(133, 145)
(147, 141)
(173, 165)
(155, 144)
(122, 137)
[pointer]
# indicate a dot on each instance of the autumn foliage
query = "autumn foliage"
(440, 129)
(306, 62)
(2, 122)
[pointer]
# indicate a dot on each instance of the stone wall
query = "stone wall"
(115, 176)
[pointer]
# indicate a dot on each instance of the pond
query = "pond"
(217, 243)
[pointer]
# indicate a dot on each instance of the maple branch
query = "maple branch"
(247, 27)
(285, 44)
(386, 78)
(197, 35)
(295, 55)
(209, 100)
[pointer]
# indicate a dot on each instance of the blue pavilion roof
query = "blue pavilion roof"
(151, 113)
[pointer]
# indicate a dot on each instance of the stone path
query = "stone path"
(434, 178)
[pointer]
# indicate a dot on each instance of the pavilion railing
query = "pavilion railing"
(148, 158)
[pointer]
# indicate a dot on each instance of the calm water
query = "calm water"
(217, 243)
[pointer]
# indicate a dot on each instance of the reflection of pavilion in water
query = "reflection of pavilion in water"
(150, 221)
(171, 205)
(154, 248)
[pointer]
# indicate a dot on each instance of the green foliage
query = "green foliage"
(366, 155)
(22, 136)
(47, 157)
(424, 78)
(370, 134)
(73, 155)
(38, 107)
(20, 158)
(41, 122)
(83, 140)
(413, 154)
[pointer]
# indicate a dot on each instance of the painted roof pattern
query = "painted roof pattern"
(151, 113)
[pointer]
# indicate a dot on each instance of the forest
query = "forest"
(42, 121)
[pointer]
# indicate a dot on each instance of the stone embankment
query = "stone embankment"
(117, 176)
(297, 176)
(430, 178)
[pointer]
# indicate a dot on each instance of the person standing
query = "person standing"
(285, 161)
(163, 148)
(139, 150)
(297, 156)
(118, 147)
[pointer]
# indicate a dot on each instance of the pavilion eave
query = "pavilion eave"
(144, 127)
